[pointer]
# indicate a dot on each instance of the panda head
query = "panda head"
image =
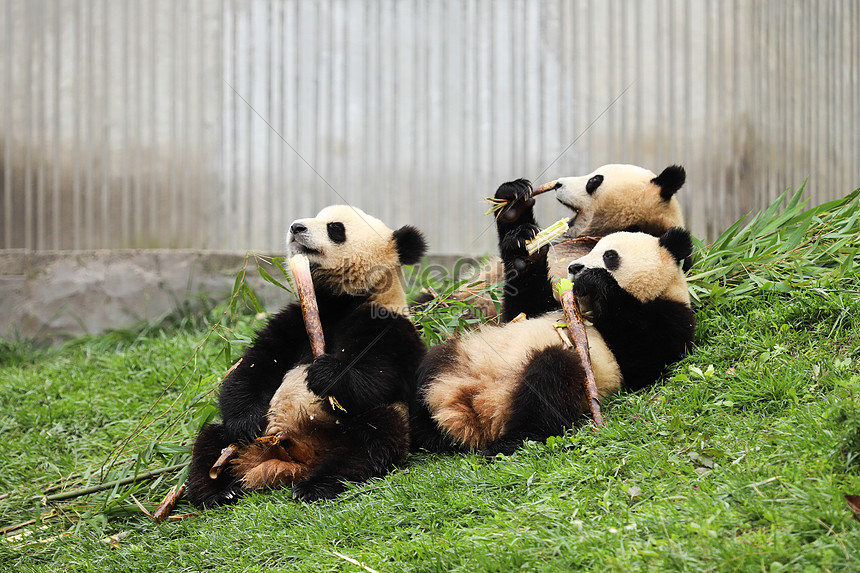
(644, 266)
(622, 198)
(351, 252)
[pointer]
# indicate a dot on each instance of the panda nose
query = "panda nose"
(297, 228)
(575, 268)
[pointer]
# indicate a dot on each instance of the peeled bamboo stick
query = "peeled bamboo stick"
(300, 267)
(219, 465)
(168, 503)
(576, 327)
(547, 236)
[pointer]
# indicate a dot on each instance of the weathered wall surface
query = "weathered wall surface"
(52, 296)
(212, 125)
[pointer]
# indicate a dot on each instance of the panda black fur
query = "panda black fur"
(494, 388)
(373, 351)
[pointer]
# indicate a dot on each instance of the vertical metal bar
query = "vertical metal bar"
(77, 203)
(90, 192)
(172, 101)
(152, 232)
(267, 238)
(7, 135)
(42, 147)
(137, 226)
(125, 222)
(107, 124)
(57, 163)
(28, 130)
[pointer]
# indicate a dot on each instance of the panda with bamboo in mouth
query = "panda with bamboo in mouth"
(494, 388)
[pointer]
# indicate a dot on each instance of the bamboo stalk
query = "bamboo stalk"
(108, 485)
(300, 267)
(168, 503)
(547, 236)
(576, 327)
(226, 455)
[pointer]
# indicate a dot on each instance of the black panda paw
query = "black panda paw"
(324, 375)
(317, 488)
(226, 496)
(513, 245)
(592, 286)
(517, 194)
(503, 446)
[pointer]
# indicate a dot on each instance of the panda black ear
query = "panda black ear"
(670, 181)
(411, 245)
(678, 242)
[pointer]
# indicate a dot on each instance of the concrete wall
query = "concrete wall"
(52, 296)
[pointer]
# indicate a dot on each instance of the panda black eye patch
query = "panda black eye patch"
(611, 259)
(593, 184)
(336, 232)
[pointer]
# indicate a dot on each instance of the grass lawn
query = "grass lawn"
(738, 460)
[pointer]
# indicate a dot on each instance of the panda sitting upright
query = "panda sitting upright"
(500, 385)
(372, 352)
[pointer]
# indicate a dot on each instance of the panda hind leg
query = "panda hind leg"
(547, 401)
(366, 446)
(204, 491)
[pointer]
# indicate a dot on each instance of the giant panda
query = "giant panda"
(614, 197)
(372, 353)
(497, 386)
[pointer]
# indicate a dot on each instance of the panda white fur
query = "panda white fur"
(614, 197)
(372, 352)
(500, 385)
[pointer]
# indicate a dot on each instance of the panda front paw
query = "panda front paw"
(317, 488)
(503, 446)
(324, 374)
(245, 430)
(592, 287)
(513, 245)
(517, 194)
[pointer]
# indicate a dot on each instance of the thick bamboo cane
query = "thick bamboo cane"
(576, 327)
(300, 267)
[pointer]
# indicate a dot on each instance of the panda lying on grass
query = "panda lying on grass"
(496, 387)
(373, 351)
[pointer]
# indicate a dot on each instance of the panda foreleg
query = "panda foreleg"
(366, 446)
(527, 285)
(245, 393)
(548, 400)
(204, 491)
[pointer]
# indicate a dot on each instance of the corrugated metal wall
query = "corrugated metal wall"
(211, 125)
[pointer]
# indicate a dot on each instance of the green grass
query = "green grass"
(737, 461)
